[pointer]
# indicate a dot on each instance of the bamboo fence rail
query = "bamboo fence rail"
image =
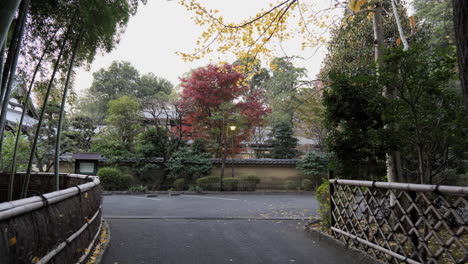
(400, 222)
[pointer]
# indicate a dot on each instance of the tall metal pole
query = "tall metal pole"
(232, 154)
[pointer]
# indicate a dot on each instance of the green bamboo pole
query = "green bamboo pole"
(7, 13)
(62, 114)
(20, 125)
(24, 190)
(11, 78)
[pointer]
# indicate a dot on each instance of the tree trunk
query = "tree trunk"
(7, 13)
(460, 18)
(62, 113)
(393, 158)
(24, 190)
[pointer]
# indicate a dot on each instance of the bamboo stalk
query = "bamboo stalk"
(17, 207)
(377, 247)
(62, 245)
(404, 186)
(91, 245)
(7, 13)
(20, 125)
(62, 114)
(12, 68)
(24, 191)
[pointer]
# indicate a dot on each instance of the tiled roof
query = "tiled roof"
(87, 156)
(259, 161)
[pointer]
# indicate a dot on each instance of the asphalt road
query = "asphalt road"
(214, 229)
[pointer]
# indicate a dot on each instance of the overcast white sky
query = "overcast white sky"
(163, 27)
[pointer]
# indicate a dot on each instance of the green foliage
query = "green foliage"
(292, 185)
(428, 110)
(138, 188)
(313, 166)
(22, 154)
(230, 184)
(117, 141)
(179, 184)
(322, 194)
(438, 16)
(209, 183)
(307, 185)
(284, 142)
(283, 88)
(124, 117)
(121, 79)
(151, 142)
(110, 146)
(195, 189)
(188, 164)
(80, 132)
(113, 179)
(248, 183)
(354, 109)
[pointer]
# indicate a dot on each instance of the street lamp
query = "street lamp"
(233, 128)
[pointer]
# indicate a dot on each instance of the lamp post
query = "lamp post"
(233, 128)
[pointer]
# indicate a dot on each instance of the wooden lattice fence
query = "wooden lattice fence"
(401, 223)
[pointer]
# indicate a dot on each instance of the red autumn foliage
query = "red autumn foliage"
(215, 97)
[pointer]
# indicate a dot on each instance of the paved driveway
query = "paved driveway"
(214, 229)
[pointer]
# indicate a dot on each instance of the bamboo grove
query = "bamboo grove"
(42, 42)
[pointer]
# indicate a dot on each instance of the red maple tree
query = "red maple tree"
(215, 97)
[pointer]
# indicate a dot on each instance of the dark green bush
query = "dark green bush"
(188, 164)
(230, 184)
(314, 167)
(179, 184)
(210, 183)
(291, 185)
(195, 188)
(307, 185)
(138, 188)
(248, 183)
(126, 180)
(112, 179)
(322, 194)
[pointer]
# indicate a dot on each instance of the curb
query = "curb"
(105, 245)
(356, 254)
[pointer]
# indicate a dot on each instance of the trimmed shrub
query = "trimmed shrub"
(314, 167)
(188, 164)
(248, 183)
(210, 183)
(179, 184)
(322, 194)
(126, 181)
(230, 184)
(291, 185)
(138, 188)
(112, 179)
(307, 185)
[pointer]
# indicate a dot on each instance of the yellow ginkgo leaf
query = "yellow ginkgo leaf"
(355, 5)
(12, 241)
(398, 41)
(35, 260)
